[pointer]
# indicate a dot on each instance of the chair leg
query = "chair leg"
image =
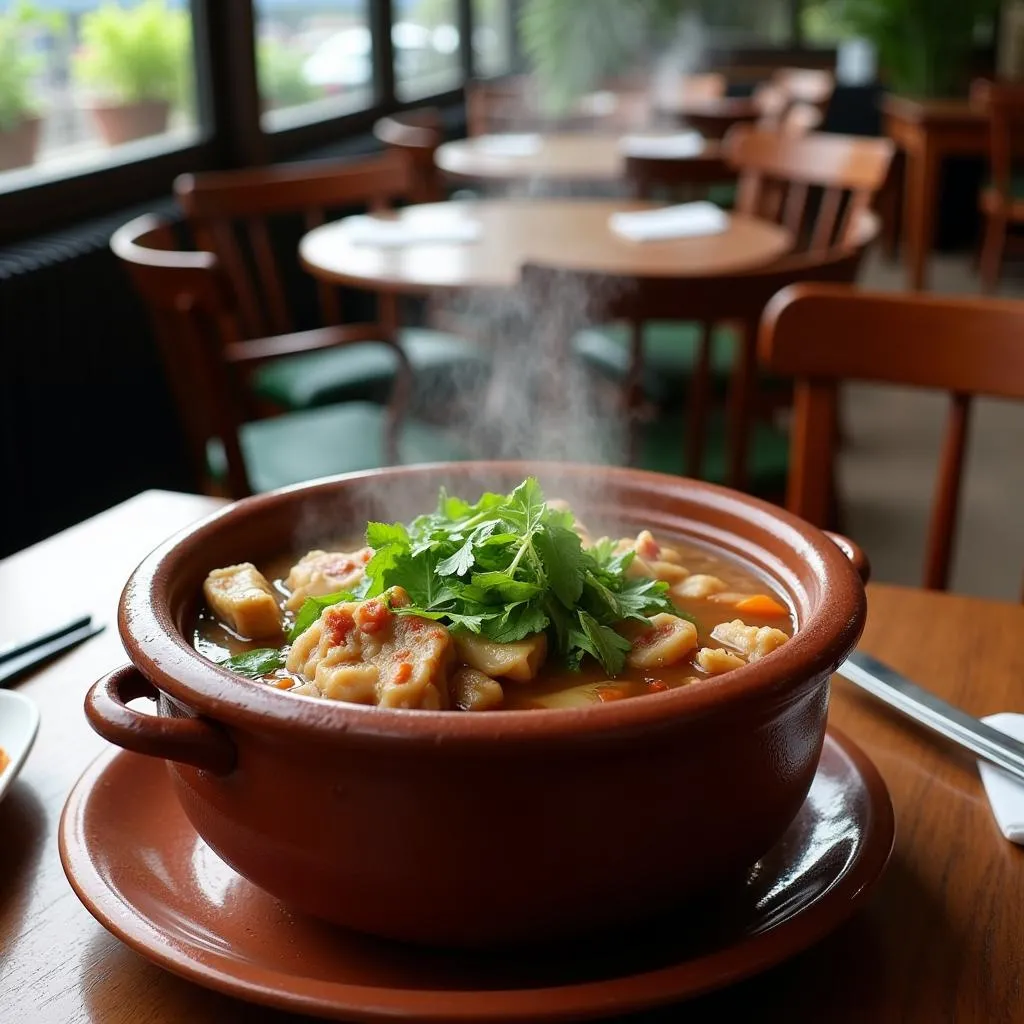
(700, 385)
(992, 252)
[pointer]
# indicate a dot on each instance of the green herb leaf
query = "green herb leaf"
(610, 648)
(379, 535)
(255, 664)
(501, 587)
(561, 555)
(517, 622)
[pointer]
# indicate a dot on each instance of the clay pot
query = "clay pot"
(18, 145)
(125, 122)
(495, 827)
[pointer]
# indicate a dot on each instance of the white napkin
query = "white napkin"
(393, 234)
(508, 145)
(678, 146)
(688, 220)
(1005, 792)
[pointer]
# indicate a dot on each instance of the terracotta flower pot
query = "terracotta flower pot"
(18, 145)
(445, 827)
(125, 122)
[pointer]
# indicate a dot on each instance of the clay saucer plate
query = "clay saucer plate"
(139, 867)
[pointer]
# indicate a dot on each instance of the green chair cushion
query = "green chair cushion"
(300, 446)
(662, 449)
(442, 364)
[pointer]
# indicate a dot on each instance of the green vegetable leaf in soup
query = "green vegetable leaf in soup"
(255, 664)
(311, 610)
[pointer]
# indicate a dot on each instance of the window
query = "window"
(492, 37)
(425, 39)
(314, 60)
(823, 22)
(85, 83)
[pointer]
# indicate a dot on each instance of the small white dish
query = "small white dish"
(19, 723)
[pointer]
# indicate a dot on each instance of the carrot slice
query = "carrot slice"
(761, 604)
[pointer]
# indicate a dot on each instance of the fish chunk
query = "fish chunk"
(363, 652)
(241, 598)
(667, 640)
(753, 641)
(325, 572)
(715, 661)
(698, 585)
(519, 661)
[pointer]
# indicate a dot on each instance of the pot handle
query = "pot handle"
(192, 741)
(854, 553)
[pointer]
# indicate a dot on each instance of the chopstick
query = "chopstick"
(17, 659)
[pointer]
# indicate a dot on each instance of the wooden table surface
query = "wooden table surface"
(559, 157)
(569, 233)
(940, 940)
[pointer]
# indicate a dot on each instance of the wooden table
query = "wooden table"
(558, 157)
(711, 116)
(939, 940)
(928, 131)
(568, 233)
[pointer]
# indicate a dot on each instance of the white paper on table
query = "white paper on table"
(1005, 792)
(413, 230)
(688, 220)
(508, 145)
(677, 146)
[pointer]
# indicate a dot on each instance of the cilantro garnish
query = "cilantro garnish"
(510, 566)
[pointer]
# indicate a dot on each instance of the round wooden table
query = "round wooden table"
(712, 117)
(558, 157)
(569, 233)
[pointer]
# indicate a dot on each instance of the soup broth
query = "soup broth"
(720, 615)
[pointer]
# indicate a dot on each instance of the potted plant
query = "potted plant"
(19, 119)
(135, 59)
(924, 47)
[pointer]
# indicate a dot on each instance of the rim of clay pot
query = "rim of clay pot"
(823, 638)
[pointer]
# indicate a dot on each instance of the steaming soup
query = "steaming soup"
(508, 603)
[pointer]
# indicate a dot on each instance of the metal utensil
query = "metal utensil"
(18, 659)
(934, 713)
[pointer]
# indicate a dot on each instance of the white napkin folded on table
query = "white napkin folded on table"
(1005, 792)
(688, 220)
(509, 145)
(677, 146)
(392, 234)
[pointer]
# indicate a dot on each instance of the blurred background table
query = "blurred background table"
(938, 940)
(573, 234)
(556, 157)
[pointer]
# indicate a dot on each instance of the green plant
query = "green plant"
(282, 83)
(17, 63)
(133, 54)
(924, 46)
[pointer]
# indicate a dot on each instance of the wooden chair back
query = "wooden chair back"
(416, 134)
(817, 185)
(225, 207)
(1003, 104)
(193, 309)
(824, 335)
(735, 298)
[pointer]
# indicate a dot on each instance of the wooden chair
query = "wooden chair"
(824, 336)
(230, 213)
(817, 185)
(722, 452)
(1002, 201)
(192, 303)
(416, 134)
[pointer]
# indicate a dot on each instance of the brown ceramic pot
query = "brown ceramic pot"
(128, 121)
(18, 145)
(507, 826)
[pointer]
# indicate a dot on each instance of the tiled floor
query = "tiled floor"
(887, 470)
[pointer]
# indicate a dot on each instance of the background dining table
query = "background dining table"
(572, 234)
(938, 940)
(558, 157)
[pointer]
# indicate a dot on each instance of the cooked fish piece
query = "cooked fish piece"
(519, 661)
(364, 652)
(474, 691)
(715, 661)
(697, 585)
(753, 641)
(241, 598)
(667, 640)
(325, 572)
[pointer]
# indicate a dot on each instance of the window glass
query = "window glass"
(492, 54)
(425, 40)
(85, 83)
(314, 59)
